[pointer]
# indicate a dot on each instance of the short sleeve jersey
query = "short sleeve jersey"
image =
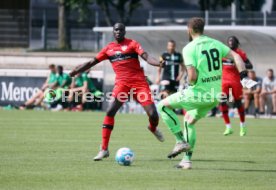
(64, 78)
(205, 55)
(124, 59)
(52, 78)
(171, 69)
(79, 81)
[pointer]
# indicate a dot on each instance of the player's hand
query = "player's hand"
(248, 83)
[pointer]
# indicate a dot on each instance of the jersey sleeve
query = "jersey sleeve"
(102, 55)
(84, 77)
(138, 48)
(188, 55)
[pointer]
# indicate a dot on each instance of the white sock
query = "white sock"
(228, 126)
(242, 124)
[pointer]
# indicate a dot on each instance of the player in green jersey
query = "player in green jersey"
(202, 57)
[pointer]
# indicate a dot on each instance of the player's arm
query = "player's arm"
(73, 85)
(45, 84)
(248, 64)
(159, 71)
(84, 67)
(151, 60)
(240, 65)
(192, 75)
(181, 71)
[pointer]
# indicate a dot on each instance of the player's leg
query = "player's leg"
(107, 127)
(108, 122)
(190, 119)
(165, 109)
(142, 95)
(238, 104)
(237, 94)
(153, 121)
(225, 109)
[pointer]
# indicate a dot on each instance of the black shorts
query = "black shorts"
(172, 87)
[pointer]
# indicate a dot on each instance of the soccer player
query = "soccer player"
(173, 70)
(253, 93)
(231, 83)
(123, 55)
(203, 60)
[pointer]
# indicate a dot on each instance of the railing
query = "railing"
(44, 22)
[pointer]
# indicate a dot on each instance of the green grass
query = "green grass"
(44, 150)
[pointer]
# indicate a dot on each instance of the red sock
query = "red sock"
(241, 113)
(108, 124)
(224, 110)
(153, 124)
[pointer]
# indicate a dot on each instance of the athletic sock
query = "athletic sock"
(190, 134)
(171, 120)
(153, 124)
(188, 156)
(241, 113)
(242, 124)
(108, 124)
(224, 110)
(228, 126)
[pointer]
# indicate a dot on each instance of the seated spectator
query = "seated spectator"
(61, 85)
(253, 93)
(81, 84)
(39, 96)
(268, 92)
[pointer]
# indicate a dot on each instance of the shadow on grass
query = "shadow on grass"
(236, 170)
(232, 161)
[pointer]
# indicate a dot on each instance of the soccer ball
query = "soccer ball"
(124, 156)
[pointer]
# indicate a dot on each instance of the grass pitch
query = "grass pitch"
(46, 150)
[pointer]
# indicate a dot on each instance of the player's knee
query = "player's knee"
(111, 112)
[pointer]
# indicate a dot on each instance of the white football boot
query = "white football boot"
(102, 154)
(178, 149)
(185, 164)
(158, 134)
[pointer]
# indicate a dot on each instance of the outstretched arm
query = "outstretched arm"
(246, 82)
(152, 61)
(84, 67)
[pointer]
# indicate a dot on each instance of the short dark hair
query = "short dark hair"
(270, 70)
(197, 24)
(51, 66)
(171, 41)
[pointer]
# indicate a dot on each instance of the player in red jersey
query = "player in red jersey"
(231, 83)
(123, 54)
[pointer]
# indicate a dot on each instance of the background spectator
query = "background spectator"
(253, 93)
(268, 92)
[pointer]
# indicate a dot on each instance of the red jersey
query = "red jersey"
(124, 59)
(229, 70)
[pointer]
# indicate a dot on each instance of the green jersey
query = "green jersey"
(79, 81)
(64, 78)
(205, 55)
(52, 78)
